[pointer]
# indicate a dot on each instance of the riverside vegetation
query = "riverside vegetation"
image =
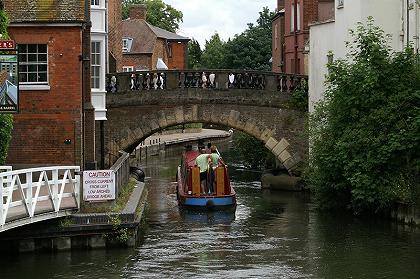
(6, 120)
(365, 134)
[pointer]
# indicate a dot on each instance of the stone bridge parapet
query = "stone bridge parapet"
(204, 79)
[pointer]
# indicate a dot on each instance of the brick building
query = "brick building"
(278, 38)
(53, 89)
(115, 35)
(144, 43)
(293, 19)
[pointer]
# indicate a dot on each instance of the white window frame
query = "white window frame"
(298, 17)
(33, 85)
(96, 63)
(128, 69)
(292, 19)
(125, 45)
(95, 3)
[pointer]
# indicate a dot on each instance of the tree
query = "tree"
(159, 14)
(214, 53)
(365, 134)
(6, 120)
(252, 48)
(194, 54)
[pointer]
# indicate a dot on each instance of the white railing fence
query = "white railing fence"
(22, 190)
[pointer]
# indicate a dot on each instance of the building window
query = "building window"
(276, 36)
(33, 64)
(128, 69)
(169, 50)
(95, 2)
(125, 45)
(298, 17)
(127, 42)
(340, 4)
(292, 19)
(96, 65)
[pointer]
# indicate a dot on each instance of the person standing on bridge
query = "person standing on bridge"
(202, 161)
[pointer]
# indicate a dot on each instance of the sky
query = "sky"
(202, 18)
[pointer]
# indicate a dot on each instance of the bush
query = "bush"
(6, 120)
(365, 134)
(6, 126)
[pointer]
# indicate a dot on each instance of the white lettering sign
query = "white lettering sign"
(98, 185)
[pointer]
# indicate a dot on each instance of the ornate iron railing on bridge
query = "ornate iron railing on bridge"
(29, 192)
(205, 79)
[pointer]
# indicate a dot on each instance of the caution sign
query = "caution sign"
(98, 185)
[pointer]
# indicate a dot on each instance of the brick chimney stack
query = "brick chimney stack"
(280, 5)
(138, 11)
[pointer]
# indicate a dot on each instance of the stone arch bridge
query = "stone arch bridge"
(258, 103)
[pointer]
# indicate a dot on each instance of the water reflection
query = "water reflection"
(225, 217)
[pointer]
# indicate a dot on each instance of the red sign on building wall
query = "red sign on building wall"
(7, 44)
(9, 77)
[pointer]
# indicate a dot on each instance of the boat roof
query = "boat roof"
(189, 157)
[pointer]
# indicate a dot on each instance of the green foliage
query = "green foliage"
(299, 98)
(4, 22)
(253, 152)
(122, 235)
(252, 48)
(365, 134)
(6, 120)
(213, 56)
(249, 50)
(6, 126)
(159, 14)
(194, 54)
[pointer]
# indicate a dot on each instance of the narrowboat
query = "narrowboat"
(189, 188)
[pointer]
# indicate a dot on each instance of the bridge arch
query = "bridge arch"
(146, 121)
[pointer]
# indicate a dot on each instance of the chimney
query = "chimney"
(138, 11)
(280, 5)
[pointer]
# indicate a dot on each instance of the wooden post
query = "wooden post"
(220, 181)
(196, 185)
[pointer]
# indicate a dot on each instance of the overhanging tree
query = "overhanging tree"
(159, 14)
(6, 120)
(365, 134)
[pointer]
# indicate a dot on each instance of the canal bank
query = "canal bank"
(117, 228)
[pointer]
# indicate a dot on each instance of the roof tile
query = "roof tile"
(44, 10)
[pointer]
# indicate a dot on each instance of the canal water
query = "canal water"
(270, 235)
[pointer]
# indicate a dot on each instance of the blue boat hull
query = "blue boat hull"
(209, 201)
